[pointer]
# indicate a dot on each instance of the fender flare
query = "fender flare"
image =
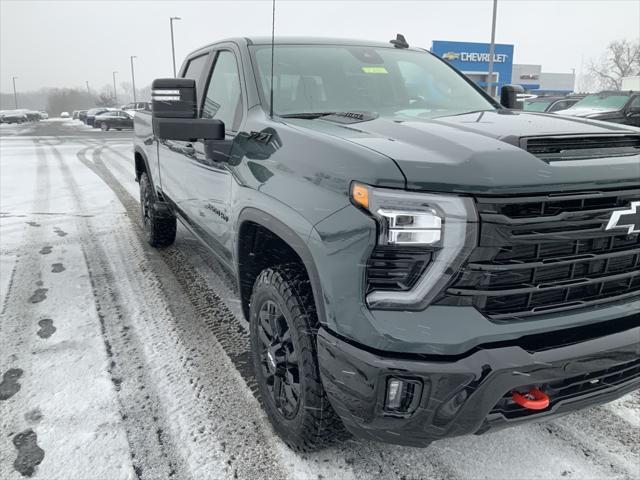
(297, 244)
(137, 150)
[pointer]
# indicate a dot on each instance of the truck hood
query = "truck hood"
(479, 153)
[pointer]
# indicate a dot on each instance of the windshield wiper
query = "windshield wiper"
(468, 113)
(308, 115)
(339, 117)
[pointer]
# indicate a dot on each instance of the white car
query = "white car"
(64, 115)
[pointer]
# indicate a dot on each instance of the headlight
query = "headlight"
(443, 225)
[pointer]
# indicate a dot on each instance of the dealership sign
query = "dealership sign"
(472, 59)
(475, 57)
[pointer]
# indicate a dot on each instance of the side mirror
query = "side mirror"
(174, 98)
(188, 129)
(509, 97)
(175, 114)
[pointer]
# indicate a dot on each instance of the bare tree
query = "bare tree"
(621, 59)
(67, 99)
(105, 98)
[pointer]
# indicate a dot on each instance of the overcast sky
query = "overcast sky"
(64, 43)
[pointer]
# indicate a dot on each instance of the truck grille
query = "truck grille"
(538, 255)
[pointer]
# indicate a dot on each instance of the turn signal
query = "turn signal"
(360, 195)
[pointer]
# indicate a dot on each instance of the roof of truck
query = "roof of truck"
(305, 41)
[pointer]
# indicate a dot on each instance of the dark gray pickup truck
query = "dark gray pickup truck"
(415, 260)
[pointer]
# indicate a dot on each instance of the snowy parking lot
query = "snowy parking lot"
(118, 361)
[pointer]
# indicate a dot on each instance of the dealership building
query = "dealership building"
(473, 60)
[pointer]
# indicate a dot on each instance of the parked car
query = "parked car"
(64, 115)
(134, 106)
(611, 106)
(43, 115)
(14, 116)
(551, 104)
(82, 115)
(117, 119)
(414, 260)
(91, 114)
(74, 115)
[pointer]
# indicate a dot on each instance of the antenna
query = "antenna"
(273, 30)
(399, 41)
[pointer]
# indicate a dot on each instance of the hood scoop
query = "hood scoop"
(580, 147)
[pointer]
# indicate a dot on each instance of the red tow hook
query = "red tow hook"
(534, 399)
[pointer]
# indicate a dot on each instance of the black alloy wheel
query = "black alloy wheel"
(279, 359)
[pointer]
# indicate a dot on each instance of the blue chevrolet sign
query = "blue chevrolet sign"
(473, 59)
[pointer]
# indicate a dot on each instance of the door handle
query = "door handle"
(188, 149)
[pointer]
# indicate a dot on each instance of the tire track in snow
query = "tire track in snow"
(149, 455)
(192, 373)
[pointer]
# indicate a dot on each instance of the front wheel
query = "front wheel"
(283, 327)
(104, 127)
(159, 230)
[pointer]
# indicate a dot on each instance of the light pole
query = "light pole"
(115, 93)
(88, 89)
(173, 48)
(15, 94)
(492, 47)
(133, 78)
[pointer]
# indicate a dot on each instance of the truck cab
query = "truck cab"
(415, 260)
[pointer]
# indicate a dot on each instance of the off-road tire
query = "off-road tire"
(159, 230)
(315, 424)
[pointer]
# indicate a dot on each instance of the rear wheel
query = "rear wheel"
(104, 127)
(283, 327)
(159, 229)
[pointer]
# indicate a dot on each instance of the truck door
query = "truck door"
(173, 156)
(205, 184)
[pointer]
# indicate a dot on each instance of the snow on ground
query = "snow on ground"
(119, 361)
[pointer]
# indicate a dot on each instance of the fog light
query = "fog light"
(403, 395)
(393, 393)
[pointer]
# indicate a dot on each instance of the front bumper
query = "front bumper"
(471, 394)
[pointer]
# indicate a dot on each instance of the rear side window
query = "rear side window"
(195, 67)
(222, 100)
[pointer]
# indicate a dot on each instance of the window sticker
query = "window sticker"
(374, 70)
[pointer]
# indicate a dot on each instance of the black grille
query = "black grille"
(581, 147)
(395, 268)
(543, 254)
(573, 387)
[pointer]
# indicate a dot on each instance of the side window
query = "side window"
(195, 67)
(222, 100)
(635, 103)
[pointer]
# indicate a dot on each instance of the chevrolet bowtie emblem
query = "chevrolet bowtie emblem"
(626, 219)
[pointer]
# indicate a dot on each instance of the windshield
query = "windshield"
(537, 105)
(602, 102)
(387, 81)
